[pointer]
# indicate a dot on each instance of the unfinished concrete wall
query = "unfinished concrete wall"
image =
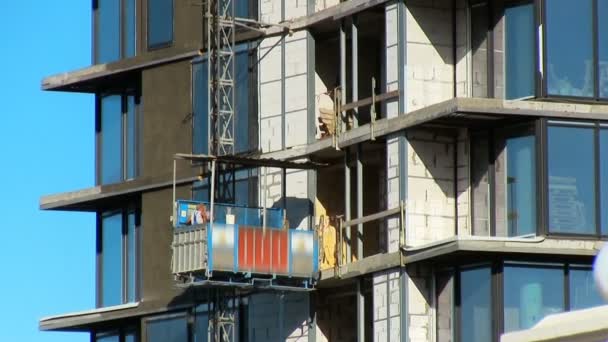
(431, 186)
(387, 306)
(284, 105)
(462, 50)
(463, 196)
(336, 317)
(278, 317)
(323, 4)
(430, 75)
(420, 316)
(386, 289)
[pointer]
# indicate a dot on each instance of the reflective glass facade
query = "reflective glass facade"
(114, 27)
(531, 293)
(111, 263)
(118, 138)
(475, 305)
(174, 329)
(569, 35)
(571, 179)
(520, 47)
(160, 23)
(118, 264)
(499, 297)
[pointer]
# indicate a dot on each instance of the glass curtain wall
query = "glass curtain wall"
(118, 249)
(570, 68)
(520, 47)
(160, 23)
(118, 139)
(114, 26)
(571, 179)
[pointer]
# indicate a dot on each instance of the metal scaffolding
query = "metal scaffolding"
(224, 312)
(221, 90)
(221, 68)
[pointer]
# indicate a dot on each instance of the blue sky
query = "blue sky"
(46, 144)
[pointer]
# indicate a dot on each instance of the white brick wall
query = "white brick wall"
(386, 307)
(429, 53)
(278, 317)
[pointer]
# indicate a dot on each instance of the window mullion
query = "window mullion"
(125, 255)
(597, 189)
(124, 139)
(567, 287)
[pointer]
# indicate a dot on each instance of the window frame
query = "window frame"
(595, 55)
(540, 52)
(121, 333)
(497, 279)
(162, 45)
(125, 239)
(124, 138)
(492, 135)
(596, 125)
(541, 127)
(122, 29)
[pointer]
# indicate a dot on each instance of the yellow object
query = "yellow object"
(328, 239)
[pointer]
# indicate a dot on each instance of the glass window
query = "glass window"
(130, 32)
(201, 327)
(111, 264)
(603, 46)
(571, 193)
(531, 293)
(604, 179)
(118, 138)
(105, 337)
(569, 55)
(111, 147)
(200, 107)
(519, 51)
(131, 258)
(107, 38)
(173, 329)
(583, 293)
(119, 267)
(114, 30)
(160, 23)
(131, 138)
(475, 305)
(520, 182)
(130, 337)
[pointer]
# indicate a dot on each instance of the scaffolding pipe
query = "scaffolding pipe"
(212, 195)
(347, 204)
(355, 97)
(359, 201)
(174, 205)
(355, 68)
(264, 196)
(342, 73)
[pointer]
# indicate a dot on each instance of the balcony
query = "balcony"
(241, 245)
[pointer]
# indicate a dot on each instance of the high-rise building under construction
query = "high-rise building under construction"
(324, 170)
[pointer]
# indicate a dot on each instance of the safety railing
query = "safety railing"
(335, 245)
(235, 241)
